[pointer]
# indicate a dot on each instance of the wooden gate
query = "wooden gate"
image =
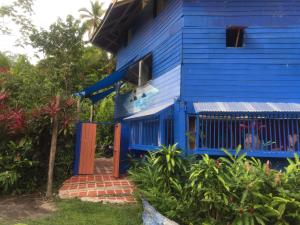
(117, 149)
(85, 148)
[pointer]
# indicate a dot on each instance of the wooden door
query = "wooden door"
(87, 148)
(117, 150)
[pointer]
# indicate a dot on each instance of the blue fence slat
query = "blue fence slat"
(279, 135)
(275, 133)
(288, 131)
(271, 135)
(297, 133)
(266, 132)
(284, 134)
(235, 144)
(197, 131)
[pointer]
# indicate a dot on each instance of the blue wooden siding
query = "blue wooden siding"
(161, 35)
(265, 69)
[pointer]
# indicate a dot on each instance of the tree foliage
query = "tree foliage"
(62, 47)
(19, 13)
(92, 17)
(27, 109)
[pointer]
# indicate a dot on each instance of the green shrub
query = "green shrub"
(15, 163)
(25, 143)
(227, 190)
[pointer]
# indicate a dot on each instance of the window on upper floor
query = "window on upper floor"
(235, 37)
(158, 6)
(144, 3)
(127, 37)
(141, 72)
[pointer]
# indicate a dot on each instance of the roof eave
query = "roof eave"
(112, 47)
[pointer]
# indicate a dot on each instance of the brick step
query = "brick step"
(96, 193)
(98, 185)
(119, 181)
(93, 178)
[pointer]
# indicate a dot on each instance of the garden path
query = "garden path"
(100, 187)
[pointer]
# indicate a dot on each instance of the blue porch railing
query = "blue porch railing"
(260, 135)
(149, 133)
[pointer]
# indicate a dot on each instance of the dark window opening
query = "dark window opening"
(127, 37)
(145, 70)
(141, 72)
(235, 37)
(158, 7)
(192, 133)
(133, 74)
(169, 132)
(144, 3)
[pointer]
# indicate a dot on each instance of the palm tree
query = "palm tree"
(92, 16)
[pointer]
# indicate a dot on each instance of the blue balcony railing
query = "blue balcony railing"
(267, 134)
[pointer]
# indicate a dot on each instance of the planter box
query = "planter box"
(152, 217)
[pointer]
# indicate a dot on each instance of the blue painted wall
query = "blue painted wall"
(163, 37)
(266, 69)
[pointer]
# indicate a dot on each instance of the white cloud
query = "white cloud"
(45, 13)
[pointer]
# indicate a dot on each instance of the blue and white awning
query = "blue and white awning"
(108, 81)
(245, 107)
(150, 112)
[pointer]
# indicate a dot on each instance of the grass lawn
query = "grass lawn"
(75, 212)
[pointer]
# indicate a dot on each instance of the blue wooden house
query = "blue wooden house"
(206, 74)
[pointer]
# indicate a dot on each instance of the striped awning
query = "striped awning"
(245, 107)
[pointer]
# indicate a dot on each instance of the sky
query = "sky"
(45, 13)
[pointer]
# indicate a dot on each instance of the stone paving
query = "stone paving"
(100, 187)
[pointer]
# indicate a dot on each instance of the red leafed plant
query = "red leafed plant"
(51, 109)
(3, 114)
(69, 102)
(3, 96)
(15, 121)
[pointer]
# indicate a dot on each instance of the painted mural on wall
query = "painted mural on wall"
(161, 90)
(144, 98)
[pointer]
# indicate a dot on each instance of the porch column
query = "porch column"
(125, 135)
(180, 125)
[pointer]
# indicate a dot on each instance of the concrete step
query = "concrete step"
(116, 200)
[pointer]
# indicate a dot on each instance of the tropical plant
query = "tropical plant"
(27, 109)
(226, 190)
(14, 164)
(92, 17)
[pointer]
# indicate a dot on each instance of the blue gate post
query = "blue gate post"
(77, 148)
(124, 147)
(180, 125)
